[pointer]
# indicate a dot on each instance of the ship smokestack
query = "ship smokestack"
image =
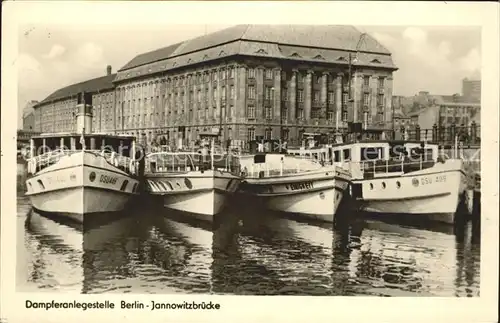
(108, 70)
(84, 113)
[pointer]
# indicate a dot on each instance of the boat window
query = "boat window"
(336, 153)
(41, 184)
(371, 153)
(134, 188)
(347, 154)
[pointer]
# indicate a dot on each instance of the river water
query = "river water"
(150, 251)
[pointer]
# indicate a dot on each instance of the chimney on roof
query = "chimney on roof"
(108, 70)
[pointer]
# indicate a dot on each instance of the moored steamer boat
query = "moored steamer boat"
(76, 174)
(294, 185)
(400, 177)
(195, 183)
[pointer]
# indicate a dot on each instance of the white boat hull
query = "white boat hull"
(80, 184)
(314, 195)
(200, 194)
(433, 193)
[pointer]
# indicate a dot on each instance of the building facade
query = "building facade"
(256, 82)
(29, 116)
(247, 81)
(56, 113)
(447, 114)
(471, 90)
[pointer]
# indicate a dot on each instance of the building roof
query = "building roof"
(90, 86)
(453, 100)
(328, 43)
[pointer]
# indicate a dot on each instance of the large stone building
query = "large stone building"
(249, 81)
(56, 112)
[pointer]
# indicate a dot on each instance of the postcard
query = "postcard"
(193, 161)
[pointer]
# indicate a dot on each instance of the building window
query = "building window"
(251, 92)
(251, 73)
(300, 77)
(223, 74)
(214, 94)
(380, 100)
(315, 113)
(284, 94)
(214, 76)
(251, 134)
(223, 98)
(268, 113)
(284, 114)
(331, 97)
(365, 99)
(316, 96)
(231, 91)
(283, 75)
(251, 112)
(300, 114)
(381, 116)
(345, 98)
(231, 72)
(231, 111)
(268, 134)
(330, 116)
(269, 74)
(344, 115)
(268, 93)
(381, 83)
(300, 95)
(366, 81)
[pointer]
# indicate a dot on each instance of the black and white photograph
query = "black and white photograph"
(237, 159)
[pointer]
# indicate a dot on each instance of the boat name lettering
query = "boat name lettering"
(107, 179)
(299, 186)
(430, 180)
(56, 179)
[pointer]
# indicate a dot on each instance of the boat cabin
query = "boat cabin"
(182, 162)
(371, 158)
(374, 156)
(46, 149)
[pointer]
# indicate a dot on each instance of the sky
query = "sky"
(433, 59)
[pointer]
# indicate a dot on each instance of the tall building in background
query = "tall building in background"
(471, 90)
(247, 81)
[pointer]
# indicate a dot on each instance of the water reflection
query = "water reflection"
(151, 251)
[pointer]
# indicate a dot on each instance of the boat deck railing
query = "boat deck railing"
(379, 167)
(181, 162)
(265, 170)
(49, 158)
